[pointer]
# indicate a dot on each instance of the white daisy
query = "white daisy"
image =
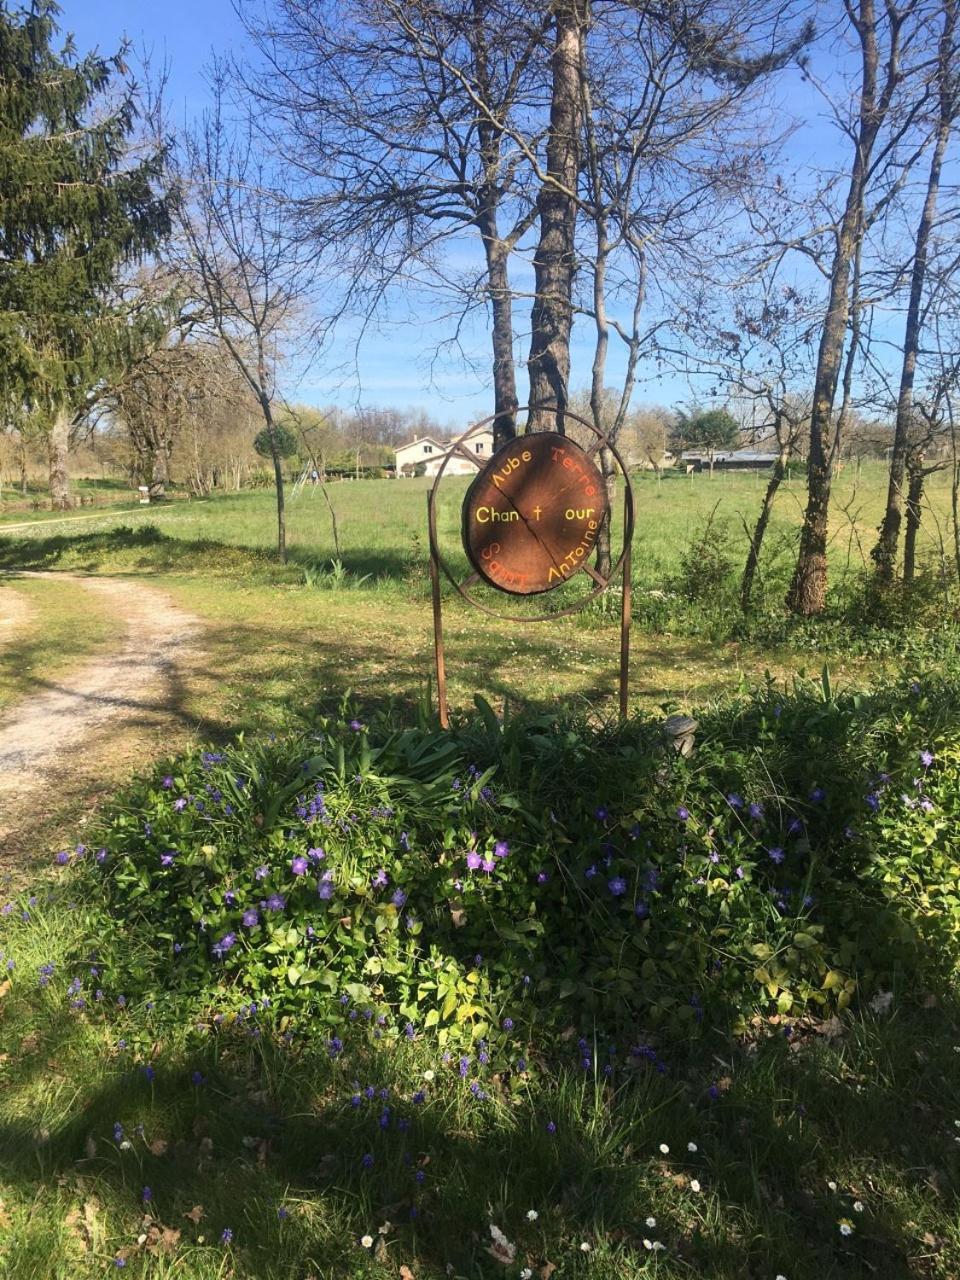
(664, 1148)
(367, 1241)
(692, 1147)
(532, 1215)
(694, 1185)
(651, 1222)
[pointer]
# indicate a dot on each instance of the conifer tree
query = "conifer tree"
(75, 206)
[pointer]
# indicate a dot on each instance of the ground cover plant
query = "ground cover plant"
(345, 1000)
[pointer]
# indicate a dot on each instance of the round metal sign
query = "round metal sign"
(531, 517)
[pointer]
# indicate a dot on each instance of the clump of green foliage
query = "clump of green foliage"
(514, 883)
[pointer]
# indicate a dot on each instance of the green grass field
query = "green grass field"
(828, 1156)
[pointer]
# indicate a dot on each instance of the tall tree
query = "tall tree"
(883, 118)
(254, 280)
(947, 83)
(76, 205)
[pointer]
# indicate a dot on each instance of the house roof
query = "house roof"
(422, 440)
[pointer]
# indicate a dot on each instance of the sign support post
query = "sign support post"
(530, 522)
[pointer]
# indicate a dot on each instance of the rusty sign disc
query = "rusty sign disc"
(531, 517)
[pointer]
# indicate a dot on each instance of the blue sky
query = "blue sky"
(396, 362)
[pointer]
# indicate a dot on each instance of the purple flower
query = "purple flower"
(335, 1047)
(501, 849)
(283, 1212)
(325, 886)
(299, 866)
(735, 801)
(551, 1127)
(367, 1161)
(818, 795)
(166, 859)
(226, 1235)
(146, 1195)
(872, 801)
(683, 813)
(380, 879)
(926, 805)
(755, 810)
(399, 899)
(261, 873)
(464, 1066)
(315, 855)
(641, 911)
(63, 858)
(356, 726)
(404, 842)
(543, 877)
(507, 1024)
(617, 886)
(221, 948)
(167, 783)
(926, 759)
(276, 902)
(738, 872)
(180, 804)
(601, 814)
(474, 860)
(776, 855)
(488, 865)
(101, 856)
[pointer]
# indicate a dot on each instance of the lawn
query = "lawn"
(150, 1137)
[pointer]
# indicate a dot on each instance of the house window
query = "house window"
(479, 446)
(428, 448)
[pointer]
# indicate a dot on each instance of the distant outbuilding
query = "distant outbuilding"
(425, 455)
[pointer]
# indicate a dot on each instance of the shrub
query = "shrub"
(549, 876)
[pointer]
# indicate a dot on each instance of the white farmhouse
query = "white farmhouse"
(428, 453)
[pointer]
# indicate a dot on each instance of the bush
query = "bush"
(549, 877)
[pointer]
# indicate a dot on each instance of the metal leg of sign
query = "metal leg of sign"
(625, 618)
(438, 627)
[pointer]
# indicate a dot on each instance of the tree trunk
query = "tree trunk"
(278, 480)
(915, 477)
(58, 449)
(22, 461)
(808, 590)
(505, 401)
(885, 552)
(159, 471)
(756, 542)
(548, 363)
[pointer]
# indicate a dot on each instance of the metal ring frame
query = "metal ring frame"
(438, 564)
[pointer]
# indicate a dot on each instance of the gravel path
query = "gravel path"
(15, 613)
(42, 735)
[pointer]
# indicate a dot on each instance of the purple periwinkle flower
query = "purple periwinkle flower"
(404, 842)
(488, 865)
(299, 866)
(617, 886)
(641, 910)
(474, 861)
(735, 801)
(507, 1024)
(380, 879)
(926, 759)
(501, 849)
(367, 1161)
(399, 899)
(146, 1195)
(683, 813)
(776, 855)
(551, 1127)
(167, 783)
(226, 1235)
(335, 1046)
(738, 872)
(818, 795)
(356, 726)
(543, 877)
(180, 804)
(276, 902)
(251, 917)
(755, 810)
(63, 858)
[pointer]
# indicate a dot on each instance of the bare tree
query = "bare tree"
(948, 104)
(410, 125)
(255, 279)
(889, 98)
